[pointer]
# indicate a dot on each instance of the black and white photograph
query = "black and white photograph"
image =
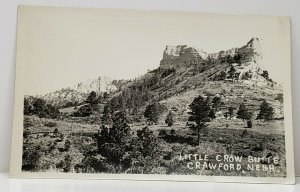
(106, 93)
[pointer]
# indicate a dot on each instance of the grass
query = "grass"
(216, 139)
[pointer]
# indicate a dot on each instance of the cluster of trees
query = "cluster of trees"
(126, 152)
(231, 74)
(39, 107)
(129, 101)
(231, 59)
(167, 72)
(203, 111)
(91, 104)
(227, 59)
(266, 113)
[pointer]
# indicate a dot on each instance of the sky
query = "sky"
(60, 47)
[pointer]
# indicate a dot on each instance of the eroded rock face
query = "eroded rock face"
(183, 55)
(79, 92)
(252, 51)
(99, 85)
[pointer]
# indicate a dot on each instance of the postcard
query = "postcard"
(152, 95)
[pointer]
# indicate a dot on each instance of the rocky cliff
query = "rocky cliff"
(246, 59)
(79, 92)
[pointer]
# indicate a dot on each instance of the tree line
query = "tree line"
(39, 107)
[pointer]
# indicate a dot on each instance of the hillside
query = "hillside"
(186, 72)
(235, 75)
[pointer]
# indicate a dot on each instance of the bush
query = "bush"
(55, 131)
(27, 122)
(162, 133)
(26, 133)
(67, 145)
(39, 107)
(249, 124)
(84, 111)
(170, 119)
(50, 124)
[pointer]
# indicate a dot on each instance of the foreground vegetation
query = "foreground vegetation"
(80, 147)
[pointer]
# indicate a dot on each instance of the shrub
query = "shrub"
(67, 145)
(28, 122)
(50, 124)
(26, 133)
(249, 124)
(55, 131)
(170, 119)
(39, 107)
(172, 132)
(162, 133)
(84, 111)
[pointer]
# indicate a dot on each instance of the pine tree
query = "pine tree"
(107, 115)
(222, 75)
(243, 113)
(120, 130)
(230, 112)
(201, 113)
(152, 112)
(170, 119)
(231, 72)
(147, 143)
(39, 107)
(266, 111)
(27, 107)
(92, 98)
(216, 103)
(265, 74)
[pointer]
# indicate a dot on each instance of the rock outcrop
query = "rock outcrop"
(79, 92)
(249, 56)
(183, 55)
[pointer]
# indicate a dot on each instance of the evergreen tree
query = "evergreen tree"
(103, 137)
(170, 119)
(279, 98)
(201, 113)
(266, 111)
(120, 130)
(237, 58)
(115, 144)
(39, 107)
(243, 113)
(230, 112)
(222, 75)
(152, 112)
(147, 143)
(216, 103)
(92, 98)
(27, 107)
(265, 74)
(52, 111)
(231, 72)
(107, 115)
(105, 97)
